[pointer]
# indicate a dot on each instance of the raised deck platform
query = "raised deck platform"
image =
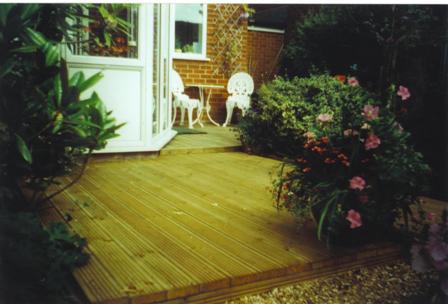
(197, 228)
(216, 139)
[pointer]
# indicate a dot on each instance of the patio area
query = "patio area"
(197, 228)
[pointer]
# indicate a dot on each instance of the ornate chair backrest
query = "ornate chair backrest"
(240, 84)
(177, 86)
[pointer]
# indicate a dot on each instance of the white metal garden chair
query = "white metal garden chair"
(182, 101)
(240, 88)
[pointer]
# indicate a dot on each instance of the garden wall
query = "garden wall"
(264, 47)
(213, 71)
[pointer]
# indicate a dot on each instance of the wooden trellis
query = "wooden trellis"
(229, 44)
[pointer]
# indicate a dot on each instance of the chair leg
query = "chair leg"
(174, 116)
(190, 117)
(182, 115)
(229, 109)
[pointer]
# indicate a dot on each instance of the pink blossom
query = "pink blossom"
(363, 198)
(430, 216)
(357, 182)
(354, 218)
(434, 228)
(352, 81)
(403, 92)
(370, 112)
(372, 142)
(439, 251)
(324, 118)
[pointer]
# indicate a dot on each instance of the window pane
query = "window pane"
(120, 38)
(189, 27)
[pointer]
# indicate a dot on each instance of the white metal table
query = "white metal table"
(205, 102)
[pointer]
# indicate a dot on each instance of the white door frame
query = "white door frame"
(143, 66)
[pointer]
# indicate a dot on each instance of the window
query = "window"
(121, 42)
(190, 31)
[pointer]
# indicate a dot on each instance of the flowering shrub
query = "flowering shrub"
(430, 252)
(353, 167)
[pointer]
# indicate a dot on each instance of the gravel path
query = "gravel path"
(391, 283)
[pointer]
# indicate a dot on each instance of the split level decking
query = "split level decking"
(191, 227)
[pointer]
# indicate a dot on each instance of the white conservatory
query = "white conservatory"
(136, 79)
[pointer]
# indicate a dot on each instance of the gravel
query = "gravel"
(390, 283)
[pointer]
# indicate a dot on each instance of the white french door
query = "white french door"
(135, 86)
(161, 67)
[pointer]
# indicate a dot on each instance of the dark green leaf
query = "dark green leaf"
(76, 78)
(23, 149)
(28, 10)
(7, 67)
(36, 37)
(90, 82)
(57, 88)
(26, 49)
(51, 55)
(4, 11)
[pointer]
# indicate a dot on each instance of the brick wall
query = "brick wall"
(196, 71)
(263, 55)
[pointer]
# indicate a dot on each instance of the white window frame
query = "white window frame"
(190, 56)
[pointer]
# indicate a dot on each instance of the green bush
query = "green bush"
(382, 44)
(337, 136)
(37, 263)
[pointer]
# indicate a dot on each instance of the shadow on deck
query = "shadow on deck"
(197, 228)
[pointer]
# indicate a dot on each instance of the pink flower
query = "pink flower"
(403, 92)
(363, 198)
(372, 142)
(354, 218)
(439, 251)
(370, 112)
(357, 182)
(324, 118)
(352, 81)
(430, 216)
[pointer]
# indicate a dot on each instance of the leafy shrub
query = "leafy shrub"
(382, 44)
(348, 159)
(37, 263)
(48, 127)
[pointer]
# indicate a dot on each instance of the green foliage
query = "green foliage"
(382, 44)
(378, 41)
(50, 123)
(324, 132)
(37, 263)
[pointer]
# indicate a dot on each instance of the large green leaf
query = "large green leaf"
(90, 82)
(23, 149)
(36, 37)
(57, 88)
(51, 54)
(76, 79)
(25, 49)
(28, 10)
(4, 11)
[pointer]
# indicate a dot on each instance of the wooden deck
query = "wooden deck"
(216, 139)
(196, 228)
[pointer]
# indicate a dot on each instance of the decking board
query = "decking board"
(191, 227)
